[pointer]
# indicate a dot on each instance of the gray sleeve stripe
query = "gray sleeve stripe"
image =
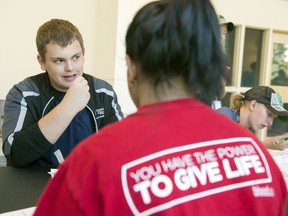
(44, 110)
(106, 91)
(114, 105)
(22, 114)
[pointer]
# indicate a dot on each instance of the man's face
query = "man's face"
(63, 64)
(223, 32)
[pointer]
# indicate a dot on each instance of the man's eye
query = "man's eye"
(75, 58)
(58, 61)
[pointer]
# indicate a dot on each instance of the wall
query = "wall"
(256, 13)
(19, 21)
(126, 11)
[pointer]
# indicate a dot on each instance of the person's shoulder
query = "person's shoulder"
(224, 109)
(27, 86)
(27, 83)
(232, 114)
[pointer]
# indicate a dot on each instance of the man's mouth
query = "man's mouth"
(70, 77)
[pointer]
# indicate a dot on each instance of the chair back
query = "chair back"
(1, 114)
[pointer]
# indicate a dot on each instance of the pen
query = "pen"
(280, 141)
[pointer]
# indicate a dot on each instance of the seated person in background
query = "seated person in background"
(225, 27)
(257, 109)
(281, 79)
(164, 159)
(249, 78)
(48, 114)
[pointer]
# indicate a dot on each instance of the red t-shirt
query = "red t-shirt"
(174, 158)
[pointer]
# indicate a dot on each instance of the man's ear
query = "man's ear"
(132, 73)
(41, 62)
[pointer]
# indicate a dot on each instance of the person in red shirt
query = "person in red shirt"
(175, 155)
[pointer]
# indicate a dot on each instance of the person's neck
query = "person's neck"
(176, 89)
(243, 117)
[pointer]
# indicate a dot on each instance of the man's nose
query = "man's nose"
(69, 66)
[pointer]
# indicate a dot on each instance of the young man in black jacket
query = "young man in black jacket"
(48, 114)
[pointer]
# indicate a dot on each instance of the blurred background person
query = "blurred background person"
(225, 27)
(281, 79)
(249, 78)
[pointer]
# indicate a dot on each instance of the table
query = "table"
(21, 187)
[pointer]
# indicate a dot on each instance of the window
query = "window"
(279, 73)
(252, 57)
(228, 48)
(278, 127)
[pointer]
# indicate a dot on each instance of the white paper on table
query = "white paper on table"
(281, 159)
(21, 212)
(53, 172)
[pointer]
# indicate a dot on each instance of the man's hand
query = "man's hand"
(57, 120)
(77, 96)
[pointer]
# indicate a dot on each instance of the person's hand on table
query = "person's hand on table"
(279, 142)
